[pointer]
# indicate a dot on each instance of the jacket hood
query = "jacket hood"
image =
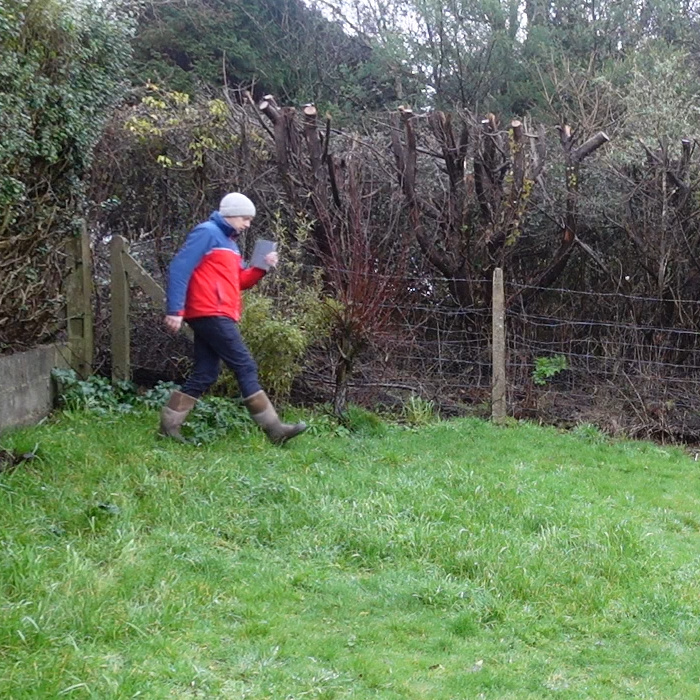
(224, 225)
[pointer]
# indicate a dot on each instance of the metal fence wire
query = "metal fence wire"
(625, 363)
(571, 356)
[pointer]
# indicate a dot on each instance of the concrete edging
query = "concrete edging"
(27, 391)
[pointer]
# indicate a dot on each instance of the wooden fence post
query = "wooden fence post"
(119, 286)
(498, 378)
(125, 268)
(79, 314)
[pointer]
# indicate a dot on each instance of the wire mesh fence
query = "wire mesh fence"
(627, 363)
(572, 356)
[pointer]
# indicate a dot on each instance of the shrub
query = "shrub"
(278, 344)
(417, 411)
(286, 314)
(62, 65)
(547, 368)
(359, 420)
(213, 417)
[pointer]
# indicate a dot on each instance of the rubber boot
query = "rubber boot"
(264, 414)
(173, 415)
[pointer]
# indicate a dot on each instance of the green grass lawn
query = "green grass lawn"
(458, 560)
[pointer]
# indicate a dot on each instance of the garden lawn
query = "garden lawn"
(457, 560)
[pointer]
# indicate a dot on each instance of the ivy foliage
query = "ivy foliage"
(62, 66)
(211, 419)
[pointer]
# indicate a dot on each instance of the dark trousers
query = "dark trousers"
(218, 338)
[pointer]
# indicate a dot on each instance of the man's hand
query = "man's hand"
(272, 258)
(173, 323)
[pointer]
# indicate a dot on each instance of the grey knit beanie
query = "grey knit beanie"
(236, 204)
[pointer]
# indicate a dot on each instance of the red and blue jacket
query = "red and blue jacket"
(207, 274)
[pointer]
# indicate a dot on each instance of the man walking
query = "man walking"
(205, 281)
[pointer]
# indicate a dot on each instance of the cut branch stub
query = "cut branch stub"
(491, 149)
(327, 139)
(490, 166)
(411, 152)
(566, 137)
(333, 178)
(398, 149)
(517, 154)
(441, 125)
(539, 152)
(313, 142)
(405, 157)
(268, 107)
(406, 170)
(572, 160)
(508, 195)
(589, 146)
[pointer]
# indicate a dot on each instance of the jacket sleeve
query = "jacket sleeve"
(198, 242)
(250, 276)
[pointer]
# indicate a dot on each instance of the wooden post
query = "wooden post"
(119, 286)
(80, 318)
(498, 378)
